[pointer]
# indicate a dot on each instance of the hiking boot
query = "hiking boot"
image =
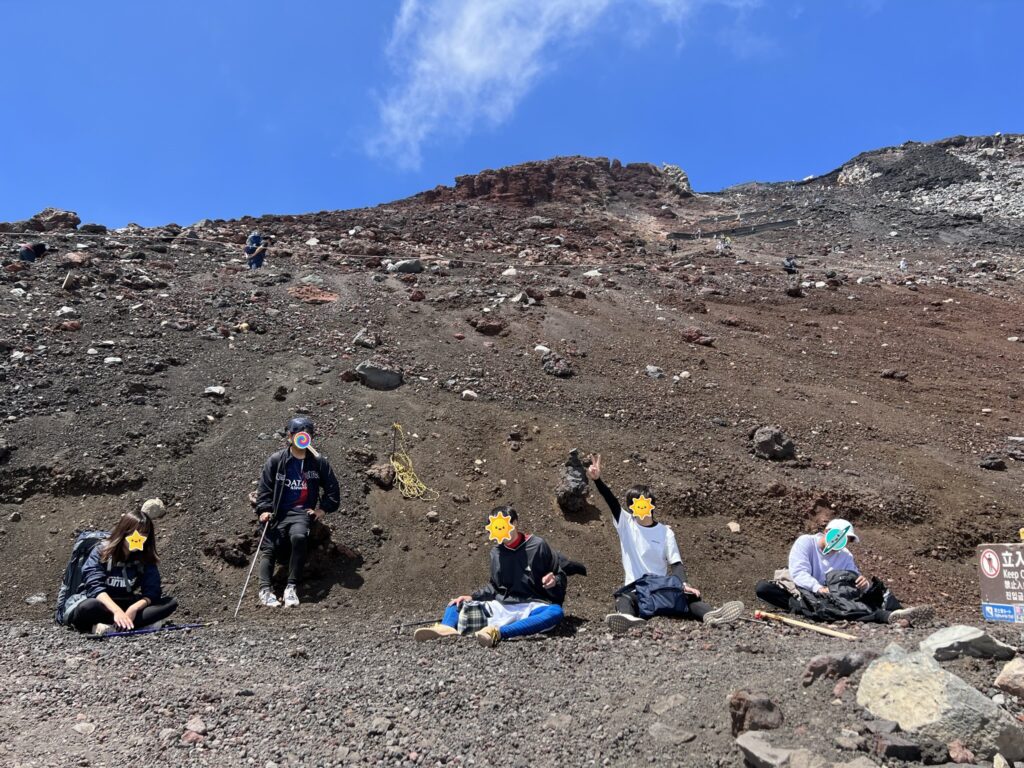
(620, 623)
(103, 629)
(917, 614)
(290, 598)
(423, 634)
(488, 637)
(727, 614)
(268, 598)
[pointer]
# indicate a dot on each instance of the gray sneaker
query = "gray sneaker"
(727, 614)
(268, 598)
(291, 599)
(918, 614)
(620, 623)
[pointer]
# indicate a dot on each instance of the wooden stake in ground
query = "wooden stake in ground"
(803, 625)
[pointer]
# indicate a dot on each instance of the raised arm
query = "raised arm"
(594, 473)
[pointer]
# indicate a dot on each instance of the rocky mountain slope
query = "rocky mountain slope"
(570, 303)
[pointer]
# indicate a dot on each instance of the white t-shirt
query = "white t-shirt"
(645, 549)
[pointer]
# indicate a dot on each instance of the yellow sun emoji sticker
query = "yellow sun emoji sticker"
(641, 507)
(136, 542)
(499, 528)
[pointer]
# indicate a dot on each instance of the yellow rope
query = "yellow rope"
(408, 483)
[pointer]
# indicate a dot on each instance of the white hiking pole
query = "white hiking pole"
(256, 554)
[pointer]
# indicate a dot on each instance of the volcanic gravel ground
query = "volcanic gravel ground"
(290, 690)
(896, 385)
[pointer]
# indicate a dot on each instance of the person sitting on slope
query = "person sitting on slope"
(824, 583)
(649, 548)
(526, 590)
(120, 588)
(297, 486)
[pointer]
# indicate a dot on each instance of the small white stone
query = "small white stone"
(112, 361)
(469, 394)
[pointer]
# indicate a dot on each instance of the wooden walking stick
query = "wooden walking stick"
(803, 625)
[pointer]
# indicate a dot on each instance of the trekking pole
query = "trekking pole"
(149, 630)
(803, 625)
(399, 627)
(249, 575)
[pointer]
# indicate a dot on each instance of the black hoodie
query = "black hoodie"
(516, 574)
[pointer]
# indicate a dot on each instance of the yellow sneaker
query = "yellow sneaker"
(423, 634)
(488, 637)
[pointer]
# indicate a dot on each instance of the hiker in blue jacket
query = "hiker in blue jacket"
(649, 548)
(297, 487)
(255, 250)
(120, 588)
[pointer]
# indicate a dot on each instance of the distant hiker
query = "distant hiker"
(655, 577)
(118, 585)
(524, 596)
(824, 583)
(296, 487)
(789, 265)
(255, 249)
(904, 267)
(31, 251)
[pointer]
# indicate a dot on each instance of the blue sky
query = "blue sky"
(161, 112)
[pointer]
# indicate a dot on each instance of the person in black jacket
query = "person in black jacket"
(524, 596)
(120, 587)
(297, 485)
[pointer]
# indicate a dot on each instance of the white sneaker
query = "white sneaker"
(622, 622)
(103, 629)
(290, 598)
(268, 598)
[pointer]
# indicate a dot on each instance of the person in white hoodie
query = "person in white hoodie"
(821, 565)
(649, 548)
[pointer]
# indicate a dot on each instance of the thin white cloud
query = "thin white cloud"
(465, 62)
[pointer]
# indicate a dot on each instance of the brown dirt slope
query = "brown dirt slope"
(104, 378)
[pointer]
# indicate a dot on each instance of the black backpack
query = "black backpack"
(85, 543)
(660, 596)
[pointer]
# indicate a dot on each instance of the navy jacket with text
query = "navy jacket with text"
(321, 485)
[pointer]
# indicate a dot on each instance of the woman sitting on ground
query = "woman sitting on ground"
(121, 582)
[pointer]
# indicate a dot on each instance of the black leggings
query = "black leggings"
(625, 602)
(91, 612)
(292, 531)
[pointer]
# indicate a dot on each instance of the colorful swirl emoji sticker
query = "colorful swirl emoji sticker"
(302, 440)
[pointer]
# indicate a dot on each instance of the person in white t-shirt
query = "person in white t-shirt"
(649, 548)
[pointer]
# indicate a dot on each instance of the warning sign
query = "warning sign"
(1001, 571)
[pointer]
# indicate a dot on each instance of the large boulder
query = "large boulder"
(573, 487)
(772, 443)
(379, 374)
(960, 640)
(930, 703)
(753, 712)
(1011, 679)
(51, 219)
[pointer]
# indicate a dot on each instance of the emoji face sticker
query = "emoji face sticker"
(641, 507)
(302, 440)
(836, 539)
(500, 528)
(136, 542)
